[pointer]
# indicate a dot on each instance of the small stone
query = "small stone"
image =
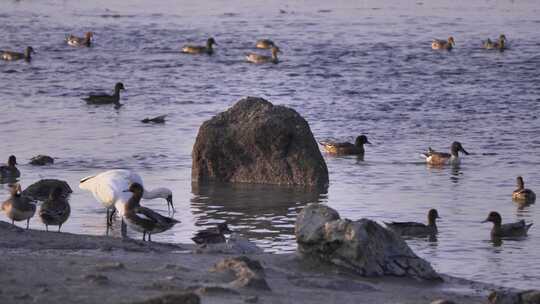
(253, 299)
(110, 266)
(43, 290)
(177, 298)
(215, 290)
(97, 279)
(443, 301)
(23, 297)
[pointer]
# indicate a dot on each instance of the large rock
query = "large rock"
(257, 142)
(363, 246)
(505, 296)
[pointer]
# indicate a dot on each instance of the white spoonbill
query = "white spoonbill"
(108, 188)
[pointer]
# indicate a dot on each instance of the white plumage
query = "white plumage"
(109, 189)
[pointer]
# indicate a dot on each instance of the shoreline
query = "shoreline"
(47, 267)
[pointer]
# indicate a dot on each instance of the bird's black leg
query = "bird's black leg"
(123, 228)
(149, 237)
(59, 226)
(144, 236)
(27, 223)
(112, 215)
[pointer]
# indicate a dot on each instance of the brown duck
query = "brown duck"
(346, 148)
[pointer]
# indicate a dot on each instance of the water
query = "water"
(349, 67)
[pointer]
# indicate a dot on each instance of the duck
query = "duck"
(346, 148)
(257, 58)
(439, 158)
(498, 44)
(414, 228)
(212, 235)
(522, 194)
(12, 56)
(41, 190)
(157, 119)
(500, 230)
(102, 99)
(55, 210)
(437, 44)
(143, 219)
(264, 44)
(18, 207)
(199, 49)
(80, 41)
(10, 170)
(108, 188)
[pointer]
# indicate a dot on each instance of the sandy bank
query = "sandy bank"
(50, 267)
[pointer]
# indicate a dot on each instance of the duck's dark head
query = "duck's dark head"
(28, 52)
(275, 50)
(361, 140)
(210, 42)
(520, 183)
(502, 38)
(12, 161)
(451, 41)
(457, 147)
(433, 215)
(88, 35)
(119, 86)
(493, 217)
(56, 193)
(223, 228)
(136, 189)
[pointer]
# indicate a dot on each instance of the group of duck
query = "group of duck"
(433, 158)
(117, 190)
(450, 43)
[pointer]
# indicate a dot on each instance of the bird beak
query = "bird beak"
(368, 142)
(170, 201)
(484, 221)
(463, 150)
(127, 190)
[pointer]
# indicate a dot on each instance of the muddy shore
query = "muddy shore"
(49, 267)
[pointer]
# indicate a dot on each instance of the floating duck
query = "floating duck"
(9, 170)
(440, 158)
(414, 228)
(498, 44)
(158, 119)
(264, 44)
(55, 210)
(143, 219)
(500, 230)
(102, 99)
(108, 188)
(521, 194)
(80, 41)
(212, 235)
(346, 148)
(437, 44)
(41, 160)
(41, 190)
(199, 49)
(257, 58)
(18, 207)
(12, 56)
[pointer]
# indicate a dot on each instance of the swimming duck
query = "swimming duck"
(9, 170)
(199, 49)
(264, 44)
(346, 148)
(521, 194)
(499, 44)
(11, 56)
(437, 44)
(157, 119)
(55, 210)
(143, 219)
(18, 207)
(414, 228)
(440, 158)
(80, 41)
(212, 235)
(499, 230)
(105, 98)
(256, 58)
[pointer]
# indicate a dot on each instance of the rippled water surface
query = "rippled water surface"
(349, 67)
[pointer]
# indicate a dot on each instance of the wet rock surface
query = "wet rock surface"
(363, 246)
(249, 273)
(41, 160)
(177, 298)
(514, 297)
(257, 142)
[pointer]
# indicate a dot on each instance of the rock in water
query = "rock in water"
(41, 160)
(257, 142)
(363, 246)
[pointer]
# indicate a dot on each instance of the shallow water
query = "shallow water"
(348, 67)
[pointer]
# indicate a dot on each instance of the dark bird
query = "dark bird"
(439, 158)
(346, 148)
(522, 194)
(498, 44)
(157, 119)
(18, 207)
(101, 99)
(55, 210)
(12, 56)
(257, 58)
(414, 228)
(500, 230)
(264, 44)
(9, 170)
(80, 41)
(143, 219)
(212, 235)
(40, 190)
